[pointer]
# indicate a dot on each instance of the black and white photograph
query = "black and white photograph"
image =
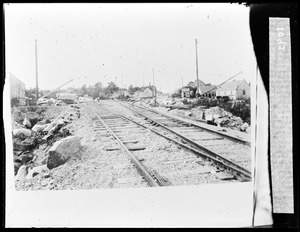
(113, 104)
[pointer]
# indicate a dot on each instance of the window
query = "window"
(244, 92)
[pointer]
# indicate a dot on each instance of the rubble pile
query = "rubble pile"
(223, 118)
(50, 102)
(170, 101)
(42, 144)
(214, 115)
(166, 101)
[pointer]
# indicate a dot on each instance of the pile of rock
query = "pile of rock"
(43, 143)
(171, 101)
(164, 101)
(221, 117)
(215, 113)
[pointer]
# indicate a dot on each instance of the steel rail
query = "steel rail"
(204, 128)
(138, 165)
(218, 159)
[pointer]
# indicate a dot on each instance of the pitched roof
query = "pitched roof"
(232, 85)
(12, 76)
(206, 88)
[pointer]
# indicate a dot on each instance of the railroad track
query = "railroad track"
(127, 133)
(227, 152)
(118, 128)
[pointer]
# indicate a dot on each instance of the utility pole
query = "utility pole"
(143, 80)
(182, 82)
(154, 90)
(198, 88)
(36, 73)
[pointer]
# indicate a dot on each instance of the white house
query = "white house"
(236, 89)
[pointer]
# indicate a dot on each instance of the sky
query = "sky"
(128, 43)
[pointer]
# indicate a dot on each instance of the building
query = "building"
(17, 89)
(206, 90)
(188, 91)
(236, 89)
(67, 97)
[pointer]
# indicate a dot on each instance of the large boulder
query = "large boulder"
(221, 121)
(59, 124)
(216, 112)
(37, 171)
(235, 121)
(40, 156)
(22, 172)
(62, 150)
(39, 127)
(152, 102)
(17, 165)
(65, 131)
(27, 123)
(244, 127)
(33, 117)
(188, 113)
(49, 127)
(19, 145)
(54, 126)
(22, 133)
(18, 126)
(26, 157)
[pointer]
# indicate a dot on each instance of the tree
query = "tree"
(30, 93)
(111, 88)
(99, 85)
(15, 101)
(98, 90)
(132, 89)
(177, 93)
(83, 90)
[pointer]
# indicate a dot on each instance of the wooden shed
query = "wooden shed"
(17, 89)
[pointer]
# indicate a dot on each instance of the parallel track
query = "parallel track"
(227, 152)
(116, 125)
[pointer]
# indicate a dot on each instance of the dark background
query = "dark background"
(259, 25)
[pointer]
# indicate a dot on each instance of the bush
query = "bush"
(121, 96)
(14, 102)
(176, 94)
(243, 112)
(185, 101)
(206, 102)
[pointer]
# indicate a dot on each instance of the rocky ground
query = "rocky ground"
(57, 148)
(213, 115)
(88, 167)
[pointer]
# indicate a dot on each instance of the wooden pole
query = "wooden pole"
(154, 90)
(198, 87)
(36, 72)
